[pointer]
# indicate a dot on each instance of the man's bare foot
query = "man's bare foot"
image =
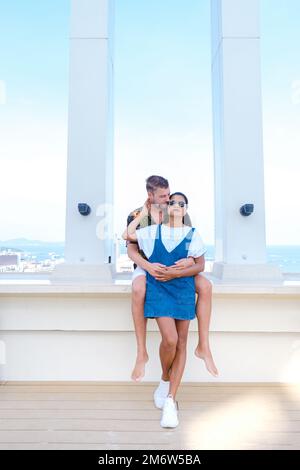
(206, 355)
(139, 368)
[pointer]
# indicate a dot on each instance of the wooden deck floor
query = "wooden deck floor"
(92, 415)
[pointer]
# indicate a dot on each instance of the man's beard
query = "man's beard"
(162, 207)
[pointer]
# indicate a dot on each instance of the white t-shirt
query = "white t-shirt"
(171, 237)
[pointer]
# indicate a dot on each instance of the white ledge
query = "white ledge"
(45, 286)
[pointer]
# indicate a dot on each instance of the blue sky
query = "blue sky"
(163, 122)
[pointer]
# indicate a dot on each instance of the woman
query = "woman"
(170, 297)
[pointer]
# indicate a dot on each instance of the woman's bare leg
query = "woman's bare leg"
(178, 365)
(203, 310)
(140, 325)
(167, 349)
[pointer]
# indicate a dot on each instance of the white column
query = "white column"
(89, 239)
(238, 142)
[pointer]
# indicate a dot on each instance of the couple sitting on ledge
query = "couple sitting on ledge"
(168, 256)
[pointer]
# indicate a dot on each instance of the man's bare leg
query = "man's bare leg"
(140, 326)
(203, 310)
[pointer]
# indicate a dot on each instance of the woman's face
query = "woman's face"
(174, 208)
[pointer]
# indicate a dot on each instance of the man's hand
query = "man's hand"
(183, 263)
(166, 274)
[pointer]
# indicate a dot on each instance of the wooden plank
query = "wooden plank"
(79, 424)
(214, 383)
(142, 391)
(92, 437)
(145, 384)
(134, 384)
(119, 405)
(80, 446)
(138, 396)
(144, 438)
(149, 414)
(74, 405)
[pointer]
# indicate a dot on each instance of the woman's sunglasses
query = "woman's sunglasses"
(180, 203)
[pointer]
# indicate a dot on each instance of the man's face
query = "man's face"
(160, 197)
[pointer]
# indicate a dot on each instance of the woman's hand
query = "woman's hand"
(146, 207)
(166, 274)
(131, 228)
(154, 269)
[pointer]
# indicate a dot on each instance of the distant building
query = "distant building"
(11, 260)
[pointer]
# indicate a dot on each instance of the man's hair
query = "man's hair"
(154, 182)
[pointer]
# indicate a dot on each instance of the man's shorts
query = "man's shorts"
(138, 272)
(141, 272)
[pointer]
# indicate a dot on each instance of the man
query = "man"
(158, 193)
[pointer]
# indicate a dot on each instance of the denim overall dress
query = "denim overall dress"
(174, 298)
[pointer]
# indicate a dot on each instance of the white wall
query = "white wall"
(89, 336)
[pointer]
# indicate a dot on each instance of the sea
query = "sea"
(287, 257)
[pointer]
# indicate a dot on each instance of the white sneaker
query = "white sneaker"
(169, 416)
(161, 393)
